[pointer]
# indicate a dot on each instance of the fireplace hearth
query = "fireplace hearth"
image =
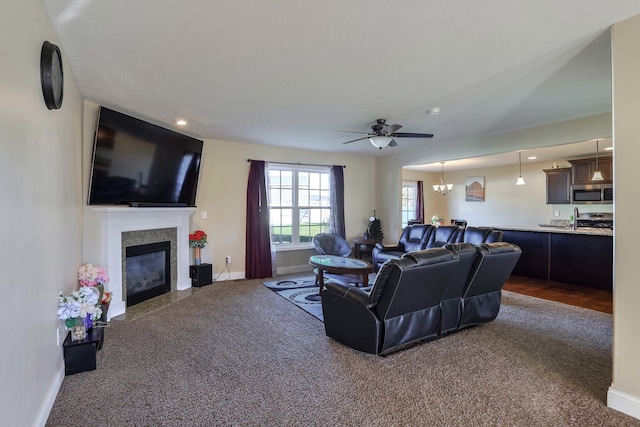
(147, 271)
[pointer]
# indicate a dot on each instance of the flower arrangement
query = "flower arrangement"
(198, 239)
(80, 303)
(89, 275)
(106, 298)
(436, 220)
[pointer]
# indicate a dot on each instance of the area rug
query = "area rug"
(302, 291)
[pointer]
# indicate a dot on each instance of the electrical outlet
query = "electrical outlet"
(557, 213)
(204, 214)
(228, 259)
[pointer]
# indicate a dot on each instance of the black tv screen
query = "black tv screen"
(141, 164)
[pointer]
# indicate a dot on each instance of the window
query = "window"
(299, 204)
(409, 194)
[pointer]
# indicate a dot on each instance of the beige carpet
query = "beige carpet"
(238, 354)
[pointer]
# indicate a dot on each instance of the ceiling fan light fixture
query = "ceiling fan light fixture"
(380, 141)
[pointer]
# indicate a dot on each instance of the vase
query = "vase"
(100, 288)
(197, 259)
(88, 322)
(78, 331)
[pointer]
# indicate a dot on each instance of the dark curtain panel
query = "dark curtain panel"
(258, 242)
(420, 201)
(336, 178)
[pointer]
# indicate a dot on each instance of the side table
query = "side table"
(80, 356)
(361, 246)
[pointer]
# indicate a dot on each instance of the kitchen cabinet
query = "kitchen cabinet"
(581, 260)
(558, 186)
(534, 259)
(566, 257)
(582, 170)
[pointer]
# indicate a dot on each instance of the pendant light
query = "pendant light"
(597, 175)
(520, 180)
(442, 188)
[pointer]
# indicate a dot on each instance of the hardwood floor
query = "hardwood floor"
(591, 298)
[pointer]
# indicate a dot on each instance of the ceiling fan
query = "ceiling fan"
(383, 135)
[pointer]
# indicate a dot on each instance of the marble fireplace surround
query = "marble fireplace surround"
(113, 221)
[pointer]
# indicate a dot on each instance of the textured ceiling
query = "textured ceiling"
(291, 73)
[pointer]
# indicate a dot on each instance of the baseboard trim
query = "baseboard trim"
(50, 398)
(238, 275)
(623, 402)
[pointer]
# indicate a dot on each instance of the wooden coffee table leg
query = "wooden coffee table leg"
(365, 280)
(321, 280)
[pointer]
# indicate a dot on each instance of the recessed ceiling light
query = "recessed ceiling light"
(181, 122)
(433, 111)
(532, 157)
(609, 148)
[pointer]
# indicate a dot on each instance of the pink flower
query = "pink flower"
(89, 275)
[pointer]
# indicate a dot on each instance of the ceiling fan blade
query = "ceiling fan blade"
(393, 143)
(354, 140)
(412, 135)
(391, 128)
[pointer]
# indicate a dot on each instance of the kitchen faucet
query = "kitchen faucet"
(575, 218)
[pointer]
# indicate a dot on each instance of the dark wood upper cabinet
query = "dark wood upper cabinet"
(583, 169)
(558, 186)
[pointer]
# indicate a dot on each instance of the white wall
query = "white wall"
(223, 188)
(40, 217)
(624, 394)
(505, 203)
(389, 168)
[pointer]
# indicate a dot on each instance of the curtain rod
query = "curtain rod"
(301, 164)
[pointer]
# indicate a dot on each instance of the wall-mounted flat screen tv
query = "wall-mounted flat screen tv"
(140, 164)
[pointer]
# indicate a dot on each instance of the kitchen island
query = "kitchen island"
(581, 257)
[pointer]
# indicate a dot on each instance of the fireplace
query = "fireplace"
(147, 271)
(106, 236)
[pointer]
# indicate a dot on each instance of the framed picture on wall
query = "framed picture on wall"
(474, 189)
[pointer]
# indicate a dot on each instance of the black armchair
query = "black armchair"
(413, 238)
(331, 244)
(402, 307)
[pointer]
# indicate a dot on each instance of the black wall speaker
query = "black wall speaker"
(201, 275)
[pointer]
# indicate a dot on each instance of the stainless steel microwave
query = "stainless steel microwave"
(592, 194)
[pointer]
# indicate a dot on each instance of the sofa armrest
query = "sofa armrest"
(349, 292)
(381, 247)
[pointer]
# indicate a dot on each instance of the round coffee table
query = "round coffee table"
(340, 265)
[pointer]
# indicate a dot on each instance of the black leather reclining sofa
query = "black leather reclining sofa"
(425, 236)
(420, 297)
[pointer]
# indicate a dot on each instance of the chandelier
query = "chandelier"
(442, 188)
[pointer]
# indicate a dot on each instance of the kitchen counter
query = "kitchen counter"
(583, 257)
(554, 229)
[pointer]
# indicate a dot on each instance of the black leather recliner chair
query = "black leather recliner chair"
(413, 238)
(483, 293)
(443, 235)
(478, 235)
(402, 306)
(452, 301)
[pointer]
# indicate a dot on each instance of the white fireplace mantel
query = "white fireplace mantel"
(113, 221)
